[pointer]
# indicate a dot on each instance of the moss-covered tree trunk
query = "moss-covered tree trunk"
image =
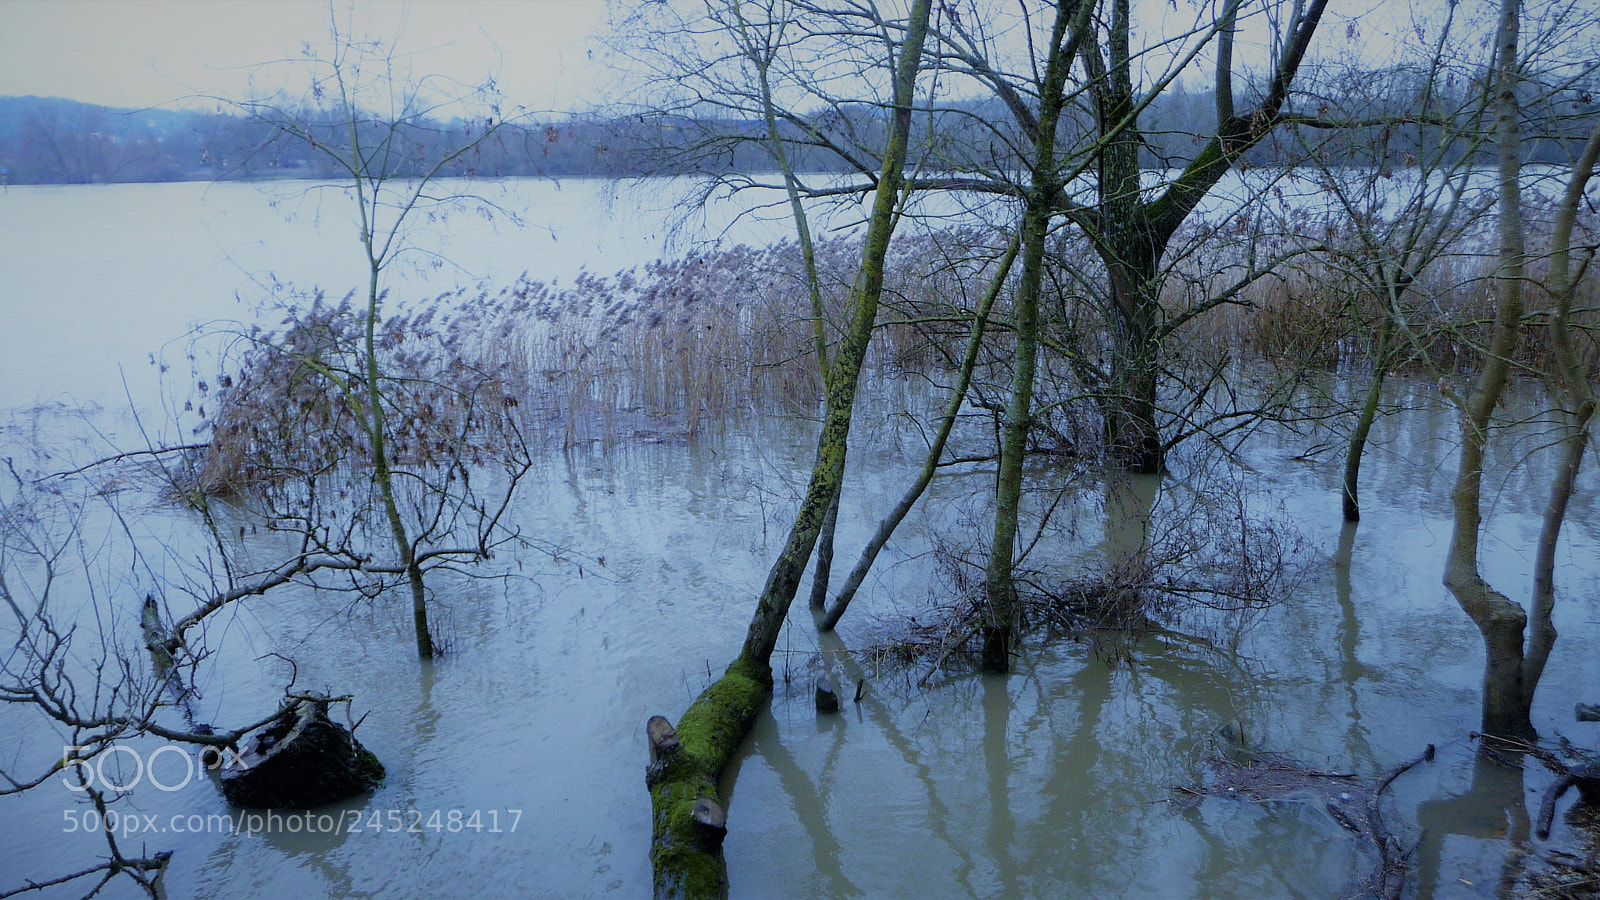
(686, 854)
(1001, 618)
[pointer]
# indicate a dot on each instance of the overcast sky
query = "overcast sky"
(134, 53)
(547, 54)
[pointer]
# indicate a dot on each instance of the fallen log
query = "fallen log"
(689, 819)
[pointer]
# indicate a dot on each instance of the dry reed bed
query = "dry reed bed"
(673, 348)
(679, 347)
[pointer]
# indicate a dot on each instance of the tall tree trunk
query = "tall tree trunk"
(1131, 235)
(1501, 621)
(1131, 250)
(1001, 614)
(684, 782)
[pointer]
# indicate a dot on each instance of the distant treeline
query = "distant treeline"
(55, 141)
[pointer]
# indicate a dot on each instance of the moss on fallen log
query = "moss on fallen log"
(685, 855)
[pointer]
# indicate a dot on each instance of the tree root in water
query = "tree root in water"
(1351, 801)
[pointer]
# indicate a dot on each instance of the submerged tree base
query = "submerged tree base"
(1353, 802)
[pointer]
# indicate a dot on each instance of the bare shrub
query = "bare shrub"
(1199, 553)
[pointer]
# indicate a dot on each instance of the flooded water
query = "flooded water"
(521, 752)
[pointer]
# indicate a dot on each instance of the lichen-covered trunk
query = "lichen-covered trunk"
(1501, 622)
(686, 853)
(1001, 624)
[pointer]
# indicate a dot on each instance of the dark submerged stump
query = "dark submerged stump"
(827, 696)
(302, 759)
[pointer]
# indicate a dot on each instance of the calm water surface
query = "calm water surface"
(1055, 781)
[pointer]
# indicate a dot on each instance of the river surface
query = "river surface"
(522, 750)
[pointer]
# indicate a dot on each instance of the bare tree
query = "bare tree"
(377, 124)
(1396, 163)
(1512, 669)
(688, 764)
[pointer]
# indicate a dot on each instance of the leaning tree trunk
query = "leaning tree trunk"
(1369, 412)
(822, 572)
(1505, 712)
(687, 767)
(1572, 381)
(1131, 249)
(384, 476)
(761, 56)
(930, 463)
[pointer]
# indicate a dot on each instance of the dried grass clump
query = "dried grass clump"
(674, 348)
(1322, 311)
(294, 405)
